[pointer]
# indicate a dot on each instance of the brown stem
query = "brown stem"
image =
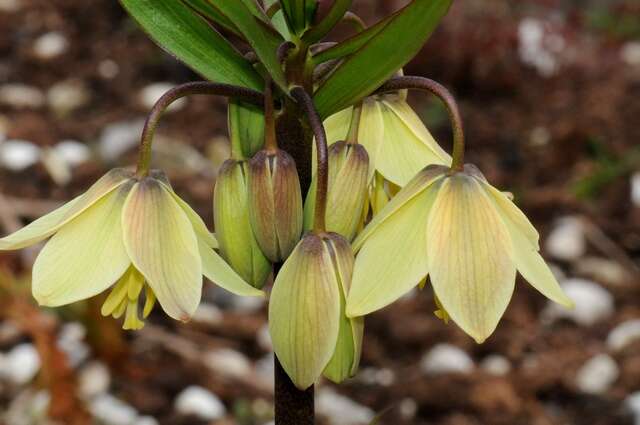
(270, 142)
(425, 84)
(199, 87)
(322, 175)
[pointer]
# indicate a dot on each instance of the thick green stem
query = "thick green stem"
(322, 174)
(199, 87)
(437, 89)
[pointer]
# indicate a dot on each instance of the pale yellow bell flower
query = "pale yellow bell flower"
(398, 143)
(466, 235)
(310, 332)
(130, 233)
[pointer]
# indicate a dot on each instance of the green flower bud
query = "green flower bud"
(237, 242)
(275, 203)
(307, 321)
(347, 192)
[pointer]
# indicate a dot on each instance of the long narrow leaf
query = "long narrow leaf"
(380, 57)
(335, 14)
(208, 11)
(294, 11)
(186, 36)
(264, 40)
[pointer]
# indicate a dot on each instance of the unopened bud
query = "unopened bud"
(233, 227)
(347, 191)
(275, 203)
(307, 321)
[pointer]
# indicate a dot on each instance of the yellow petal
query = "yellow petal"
(337, 125)
(413, 122)
(304, 312)
(346, 358)
(512, 213)
(425, 178)
(200, 228)
(524, 239)
(163, 246)
(47, 225)
(469, 255)
(371, 131)
(402, 153)
(393, 259)
(85, 257)
(220, 273)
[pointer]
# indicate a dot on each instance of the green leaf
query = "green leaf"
(294, 12)
(187, 37)
(336, 13)
(351, 44)
(263, 39)
(208, 11)
(278, 20)
(246, 127)
(380, 57)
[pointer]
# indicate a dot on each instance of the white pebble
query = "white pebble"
(567, 241)
(17, 155)
(341, 410)
(200, 402)
(21, 96)
(602, 270)
(9, 6)
(94, 379)
(21, 364)
(408, 408)
(496, 364)
(635, 189)
(228, 362)
(50, 45)
(119, 137)
(147, 420)
(66, 96)
(108, 69)
(632, 402)
(71, 341)
(112, 411)
(150, 94)
(593, 303)
(264, 338)
(73, 152)
(630, 53)
(446, 358)
(597, 375)
(624, 334)
(207, 314)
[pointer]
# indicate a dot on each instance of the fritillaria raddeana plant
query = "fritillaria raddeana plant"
(334, 187)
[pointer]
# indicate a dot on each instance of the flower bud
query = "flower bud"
(275, 203)
(347, 191)
(307, 321)
(233, 227)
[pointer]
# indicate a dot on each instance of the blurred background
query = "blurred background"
(550, 95)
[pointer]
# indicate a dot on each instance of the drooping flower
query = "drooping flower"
(130, 233)
(462, 232)
(310, 332)
(231, 216)
(398, 143)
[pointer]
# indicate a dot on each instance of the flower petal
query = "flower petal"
(220, 273)
(47, 225)
(402, 153)
(393, 259)
(428, 176)
(413, 122)
(469, 256)
(304, 312)
(512, 213)
(200, 228)
(371, 131)
(337, 125)
(85, 257)
(163, 246)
